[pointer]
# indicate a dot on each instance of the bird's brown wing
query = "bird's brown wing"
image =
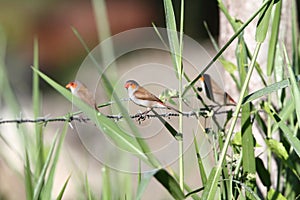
(86, 96)
(144, 94)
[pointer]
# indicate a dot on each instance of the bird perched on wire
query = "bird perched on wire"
(79, 90)
(213, 92)
(143, 97)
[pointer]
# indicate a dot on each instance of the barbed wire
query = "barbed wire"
(79, 118)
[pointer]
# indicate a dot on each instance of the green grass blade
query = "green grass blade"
(36, 110)
(61, 193)
(286, 112)
(28, 178)
(263, 23)
(40, 183)
(268, 90)
(106, 185)
(5, 88)
(233, 21)
(89, 193)
(295, 88)
(200, 163)
(145, 179)
(176, 47)
(274, 38)
(248, 147)
(173, 35)
(287, 132)
(170, 128)
(47, 189)
(248, 159)
(169, 183)
(103, 29)
(211, 185)
(35, 87)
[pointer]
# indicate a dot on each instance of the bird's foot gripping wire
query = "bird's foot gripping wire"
(141, 116)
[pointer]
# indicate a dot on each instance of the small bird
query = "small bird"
(80, 90)
(214, 93)
(143, 97)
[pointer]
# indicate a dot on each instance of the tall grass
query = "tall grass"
(231, 177)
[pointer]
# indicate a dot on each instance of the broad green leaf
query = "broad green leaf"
(247, 141)
(263, 23)
(272, 194)
(287, 132)
(169, 183)
(237, 139)
(274, 38)
(262, 172)
(173, 35)
(248, 159)
(277, 148)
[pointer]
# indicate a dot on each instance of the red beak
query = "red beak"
(126, 85)
(68, 86)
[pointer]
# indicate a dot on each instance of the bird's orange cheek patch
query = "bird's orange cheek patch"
(74, 85)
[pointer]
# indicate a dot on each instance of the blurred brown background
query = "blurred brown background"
(59, 49)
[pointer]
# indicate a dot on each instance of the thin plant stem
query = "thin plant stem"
(180, 73)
